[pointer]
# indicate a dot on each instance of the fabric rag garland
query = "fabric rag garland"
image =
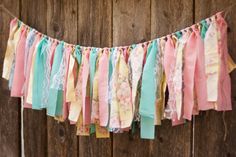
(103, 90)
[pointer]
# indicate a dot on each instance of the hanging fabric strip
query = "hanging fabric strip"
(124, 98)
(29, 43)
(95, 99)
(18, 78)
(169, 57)
(114, 122)
(50, 50)
(76, 95)
(224, 86)
(39, 73)
(212, 61)
(31, 76)
(135, 69)
(103, 74)
(178, 73)
(200, 82)
(148, 93)
(74, 62)
(55, 101)
(92, 67)
(85, 80)
(190, 56)
(15, 43)
(68, 52)
(70, 92)
(161, 83)
(28, 76)
(11, 47)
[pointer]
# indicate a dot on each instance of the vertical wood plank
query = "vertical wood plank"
(131, 24)
(35, 122)
(131, 21)
(10, 107)
(95, 23)
(95, 29)
(215, 131)
(167, 17)
(62, 24)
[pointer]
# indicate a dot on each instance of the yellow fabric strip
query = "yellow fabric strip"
(70, 92)
(231, 64)
(10, 51)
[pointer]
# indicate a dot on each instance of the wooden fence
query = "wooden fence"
(111, 23)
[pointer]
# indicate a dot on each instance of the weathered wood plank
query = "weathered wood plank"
(131, 24)
(131, 21)
(95, 29)
(62, 24)
(167, 17)
(10, 107)
(215, 131)
(35, 122)
(95, 23)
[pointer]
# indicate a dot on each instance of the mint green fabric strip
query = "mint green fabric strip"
(133, 127)
(110, 63)
(148, 93)
(78, 54)
(147, 128)
(178, 34)
(59, 103)
(78, 57)
(39, 74)
(92, 129)
(204, 28)
(55, 101)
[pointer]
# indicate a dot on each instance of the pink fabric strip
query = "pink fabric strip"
(190, 56)
(29, 62)
(103, 88)
(85, 99)
(169, 62)
(224, 85)
(18, 79)
(126, 54)
(13, 23)
(65, 111)
(200, 82)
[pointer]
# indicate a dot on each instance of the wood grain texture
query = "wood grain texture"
(10, 107)
(131, 21)
(128, 144)
(167, 17)
(215, 131)
(35, 122)
(95, 23)
(95, 28)
(62, 24)
(131, 24)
